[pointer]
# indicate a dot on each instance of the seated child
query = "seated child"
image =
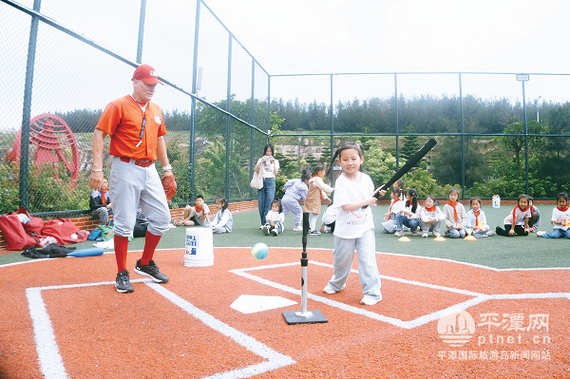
(329, 219)
(455, 215)
(517, 220)
(430, 217)
(410, 215)
(560, 219)
(274, 219)
(100, 203)
(534, 221)
(477, 221)
(396, 205)
(223, 221)
(197, 215)
(400, 184)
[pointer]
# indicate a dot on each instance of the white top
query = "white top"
(396, 206)
(436, 214)
(409, 209)
(330, 215)
(223, 219)
(275, 216)
(318, 182)
(519, 215)
(266, 169)
(450, 216)
(558, 215)
(352, 224)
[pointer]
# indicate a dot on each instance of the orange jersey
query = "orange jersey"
(122, 120)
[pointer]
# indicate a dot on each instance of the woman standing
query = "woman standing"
(267, 166)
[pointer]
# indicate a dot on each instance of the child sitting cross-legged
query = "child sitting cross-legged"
(455, 215)
(477, 221)
(410, 215)
(560, 219)
(223, 221)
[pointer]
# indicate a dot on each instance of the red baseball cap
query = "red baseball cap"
(147, 74)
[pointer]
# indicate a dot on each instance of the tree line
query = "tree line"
(495, 161)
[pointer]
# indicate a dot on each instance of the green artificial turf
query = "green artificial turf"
(498, 252)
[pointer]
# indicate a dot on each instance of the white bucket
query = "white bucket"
(199, 247)
(496, 201)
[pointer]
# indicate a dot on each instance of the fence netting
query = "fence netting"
(64, 61)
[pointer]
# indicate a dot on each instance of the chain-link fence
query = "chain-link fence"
(65, 61)
(502, 134)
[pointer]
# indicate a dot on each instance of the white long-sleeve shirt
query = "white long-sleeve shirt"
(437, 214)
(223, 219)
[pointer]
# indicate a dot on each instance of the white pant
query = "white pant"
(343, 255)
(290, 204)
(130, 186)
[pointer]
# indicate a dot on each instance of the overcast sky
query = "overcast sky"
(389, 35)
(291, 37)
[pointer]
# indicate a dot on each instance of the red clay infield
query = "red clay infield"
(62, 318)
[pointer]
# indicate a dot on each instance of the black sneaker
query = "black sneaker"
(123, 283)
(151, 270)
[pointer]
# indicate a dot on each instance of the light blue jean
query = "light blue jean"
(343, 255)
(455, 233)
(557, 233)
(264, 198)
(404, 220)
(279, 226)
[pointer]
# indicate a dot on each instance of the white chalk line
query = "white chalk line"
(422, 320)
(51, 362)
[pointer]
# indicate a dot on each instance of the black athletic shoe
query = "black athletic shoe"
(123, 283)
(151, 270)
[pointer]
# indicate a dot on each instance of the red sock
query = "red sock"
(150, 243)
(121, 247)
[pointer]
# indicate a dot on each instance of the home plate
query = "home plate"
(250, 304)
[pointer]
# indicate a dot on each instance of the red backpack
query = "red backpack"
(64, 231)
(14, 231)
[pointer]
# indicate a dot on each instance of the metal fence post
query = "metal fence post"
(27, 109)
(228, 119)
(141, 31)
(462, 140)
(397, 124)
(192, 190)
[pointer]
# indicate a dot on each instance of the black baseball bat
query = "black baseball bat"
(405, 168)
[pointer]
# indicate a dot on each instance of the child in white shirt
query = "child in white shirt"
(560, 219)
(354, 226)
(477, 221)
(455, 215)
(396, 205)
(430, 217)
(410, 215)
(517, 221)
(275, 218)
(223, 221)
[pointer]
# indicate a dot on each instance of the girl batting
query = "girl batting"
(354, 228)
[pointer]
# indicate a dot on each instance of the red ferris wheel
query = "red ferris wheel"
(54, 143)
